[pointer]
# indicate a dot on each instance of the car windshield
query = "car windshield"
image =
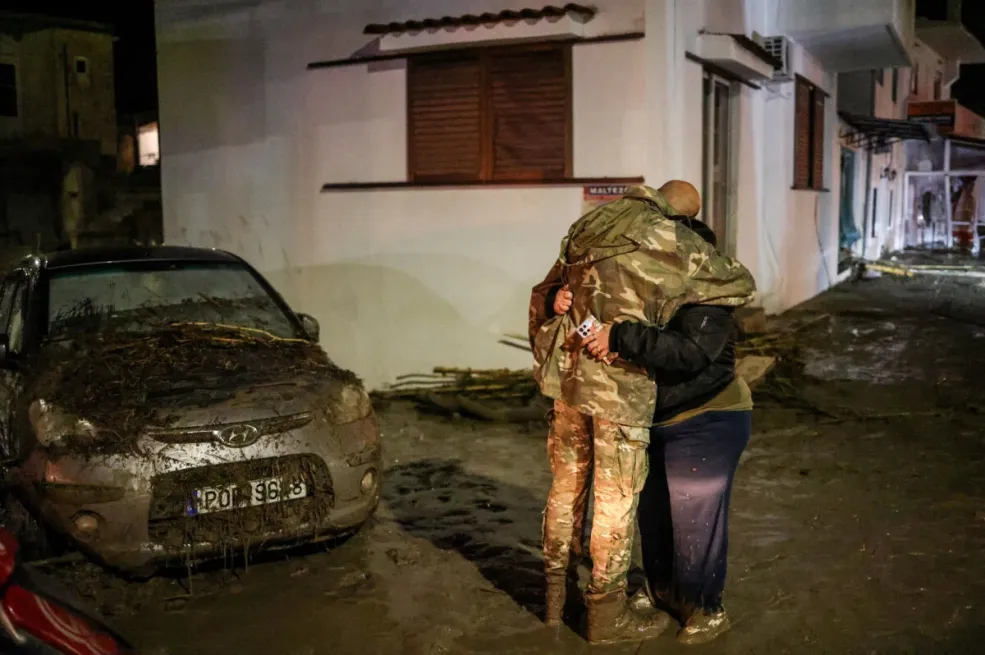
(151, 295)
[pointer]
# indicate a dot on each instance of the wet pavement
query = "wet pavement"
(858, 522)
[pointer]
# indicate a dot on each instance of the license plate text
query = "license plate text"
(256, 492)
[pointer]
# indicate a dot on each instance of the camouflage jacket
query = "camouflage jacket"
(625, 260)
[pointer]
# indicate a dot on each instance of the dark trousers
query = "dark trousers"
(683, 511)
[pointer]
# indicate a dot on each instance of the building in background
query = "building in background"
(875, 135)
(405, 171)
(56, 81)
(61, 165)
(944, 189)
(57, 128)
(911, 154)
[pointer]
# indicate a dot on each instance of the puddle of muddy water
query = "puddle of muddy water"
(870, 352)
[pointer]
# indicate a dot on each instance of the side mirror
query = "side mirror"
(310, 326)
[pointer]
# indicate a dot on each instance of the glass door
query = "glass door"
(927, 216)
(716, 200)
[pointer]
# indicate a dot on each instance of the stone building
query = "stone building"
(57, 127)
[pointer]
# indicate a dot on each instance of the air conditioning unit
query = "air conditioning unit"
(779, 49)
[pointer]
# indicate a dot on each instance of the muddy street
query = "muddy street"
(858, 521)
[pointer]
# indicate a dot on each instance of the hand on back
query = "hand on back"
(563, 300)
(597, 344)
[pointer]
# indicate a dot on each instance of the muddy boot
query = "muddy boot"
(557, 587)
(647, 601)
(641, 602)
(704, 626)
(611, 619)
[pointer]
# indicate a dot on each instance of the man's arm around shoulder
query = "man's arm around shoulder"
(713, 276)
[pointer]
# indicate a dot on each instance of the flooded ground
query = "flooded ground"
(858, 521)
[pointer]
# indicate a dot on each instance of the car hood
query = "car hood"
(131, 387)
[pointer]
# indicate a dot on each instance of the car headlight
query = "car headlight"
(54, 427)
(353, 404)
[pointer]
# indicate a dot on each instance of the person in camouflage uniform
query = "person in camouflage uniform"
(625, 260)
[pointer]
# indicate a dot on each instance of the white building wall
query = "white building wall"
(402, 280)
(880, 218)
(406, 279)
(789, 238)
(928, 65)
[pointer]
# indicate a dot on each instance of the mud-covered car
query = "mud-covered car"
(167, 403)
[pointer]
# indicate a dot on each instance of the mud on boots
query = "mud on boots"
(610, 619)
(560, 587)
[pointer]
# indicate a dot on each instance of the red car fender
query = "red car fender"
(8, 555)
(24, 611)
(56, 626)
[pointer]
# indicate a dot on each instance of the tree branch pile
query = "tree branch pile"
(504, 395)
(498, 395)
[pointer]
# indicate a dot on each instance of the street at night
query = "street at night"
(431, 327)
(858, 519)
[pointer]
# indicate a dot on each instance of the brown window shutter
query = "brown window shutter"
(817, 152)
(802, 136)
(444, 118)
(529, 103)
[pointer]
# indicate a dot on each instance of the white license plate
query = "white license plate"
(256, 492)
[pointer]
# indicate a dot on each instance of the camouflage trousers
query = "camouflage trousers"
(577, 445)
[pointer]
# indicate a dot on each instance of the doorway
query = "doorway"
(927, 216)
(848, 233)
(719, 96)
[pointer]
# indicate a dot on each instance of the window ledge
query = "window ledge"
(449, 184)
(808, 188)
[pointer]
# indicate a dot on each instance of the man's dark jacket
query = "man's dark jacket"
(692, 360)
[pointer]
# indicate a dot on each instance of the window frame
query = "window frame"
(487, 145)
(815, 96)
(710, 134)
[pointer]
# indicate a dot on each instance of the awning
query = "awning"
(578, 12)
(876, 133)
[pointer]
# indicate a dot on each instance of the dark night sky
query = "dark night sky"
(136, 70)
(970, 89)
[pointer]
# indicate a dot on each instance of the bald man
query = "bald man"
(683, 197)
(626, 260)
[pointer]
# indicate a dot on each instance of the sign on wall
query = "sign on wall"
(600, 194)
